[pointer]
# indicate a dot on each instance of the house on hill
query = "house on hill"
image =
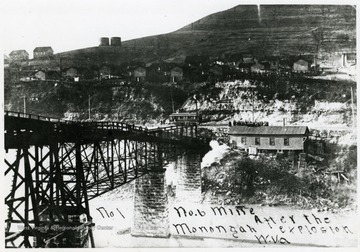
(216, 72)
(234, 59)
(6, 61)
(301, 66)
(40, 75)
(197, 61)
(19, 55)
(105, 72)
(245, 67)
(159, 72)
(52, 75)
(137, 73)
(257, 67)
(270, 139)
(247, 58)
(71, 72)
(176, 74)
(43, 52)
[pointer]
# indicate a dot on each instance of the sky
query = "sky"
(72, 24)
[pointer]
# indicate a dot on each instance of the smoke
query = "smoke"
(217, 153)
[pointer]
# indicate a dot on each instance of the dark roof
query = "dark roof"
(184, 114)
(43, 48)
(269, 130)
(17, 52)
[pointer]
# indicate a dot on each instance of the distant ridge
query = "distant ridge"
(268, 31)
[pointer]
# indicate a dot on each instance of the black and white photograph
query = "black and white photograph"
(179, 124)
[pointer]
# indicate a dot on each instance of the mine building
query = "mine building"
(270, 139)
(43, 52)
(19, 55)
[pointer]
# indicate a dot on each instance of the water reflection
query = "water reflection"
(157, 191)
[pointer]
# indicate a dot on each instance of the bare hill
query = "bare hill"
(260, 31)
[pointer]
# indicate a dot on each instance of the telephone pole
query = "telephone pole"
(24, 97)
(89, 107)
(352, 107)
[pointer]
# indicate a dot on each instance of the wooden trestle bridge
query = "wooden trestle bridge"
(54, 167)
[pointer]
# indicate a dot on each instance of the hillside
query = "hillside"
(133, 103)
(323, 106)
(270, 30)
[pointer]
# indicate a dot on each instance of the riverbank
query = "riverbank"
(229, 176)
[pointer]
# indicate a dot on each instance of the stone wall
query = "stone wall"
(151, 213)
(188, 187)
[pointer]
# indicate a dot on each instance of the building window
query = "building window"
(243, 140)
(257, 140)
(286, 141)
(272, 141)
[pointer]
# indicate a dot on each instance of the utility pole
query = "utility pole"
(24, 97)
(196, 100)
(172, 102)
(89, 107)
(253, 93)
(352, 107)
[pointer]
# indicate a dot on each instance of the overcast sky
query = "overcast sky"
(72, 24)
